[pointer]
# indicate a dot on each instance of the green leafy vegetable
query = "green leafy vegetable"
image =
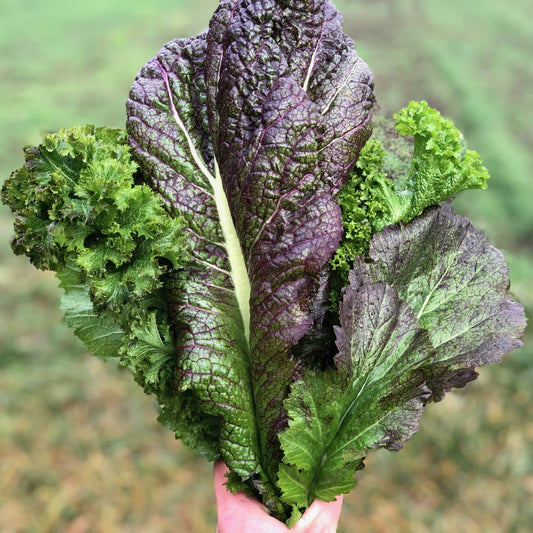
(76, 199)
(415, 322)
(388, 187)
(80, 212)
(291, 292)
(102, 337)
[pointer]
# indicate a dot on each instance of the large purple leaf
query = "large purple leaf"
(168, 132)
(247, 132)
(286, 145)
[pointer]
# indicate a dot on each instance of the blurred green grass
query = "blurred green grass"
(81, 449)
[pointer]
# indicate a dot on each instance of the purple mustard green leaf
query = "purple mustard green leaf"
(286, 144)
(267, 59)
(373, 399)
(233, 129)
(457, 285)
(168, 133)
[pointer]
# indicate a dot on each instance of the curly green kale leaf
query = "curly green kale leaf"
(75, 199)
(384, 188)
(79, 211)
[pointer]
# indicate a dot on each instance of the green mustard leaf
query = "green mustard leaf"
(102, 336)
(79, 211)
(75, 199)
(441, 165)
(372, 400)
(149, 353)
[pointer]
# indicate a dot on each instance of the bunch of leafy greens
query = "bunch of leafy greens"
(293, 293)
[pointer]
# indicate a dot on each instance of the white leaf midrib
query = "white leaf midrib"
(232, 244)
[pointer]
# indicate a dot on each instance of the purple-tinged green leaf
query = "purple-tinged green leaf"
(373, 399)
(431, 307)
(457, 285)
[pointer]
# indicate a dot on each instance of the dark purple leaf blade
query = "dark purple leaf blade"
(283, 154)
(252, 158)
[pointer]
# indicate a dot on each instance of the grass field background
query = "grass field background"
(80, 448)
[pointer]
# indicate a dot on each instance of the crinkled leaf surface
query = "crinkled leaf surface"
(247, 131)
(431, 307)
(374, 398)
(441, 165)
(79, 212)
(457, 285)
(420, 162)
(76, 202)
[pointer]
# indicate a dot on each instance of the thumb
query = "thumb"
(321, 517)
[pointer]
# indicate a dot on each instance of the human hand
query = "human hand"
(238, 513)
